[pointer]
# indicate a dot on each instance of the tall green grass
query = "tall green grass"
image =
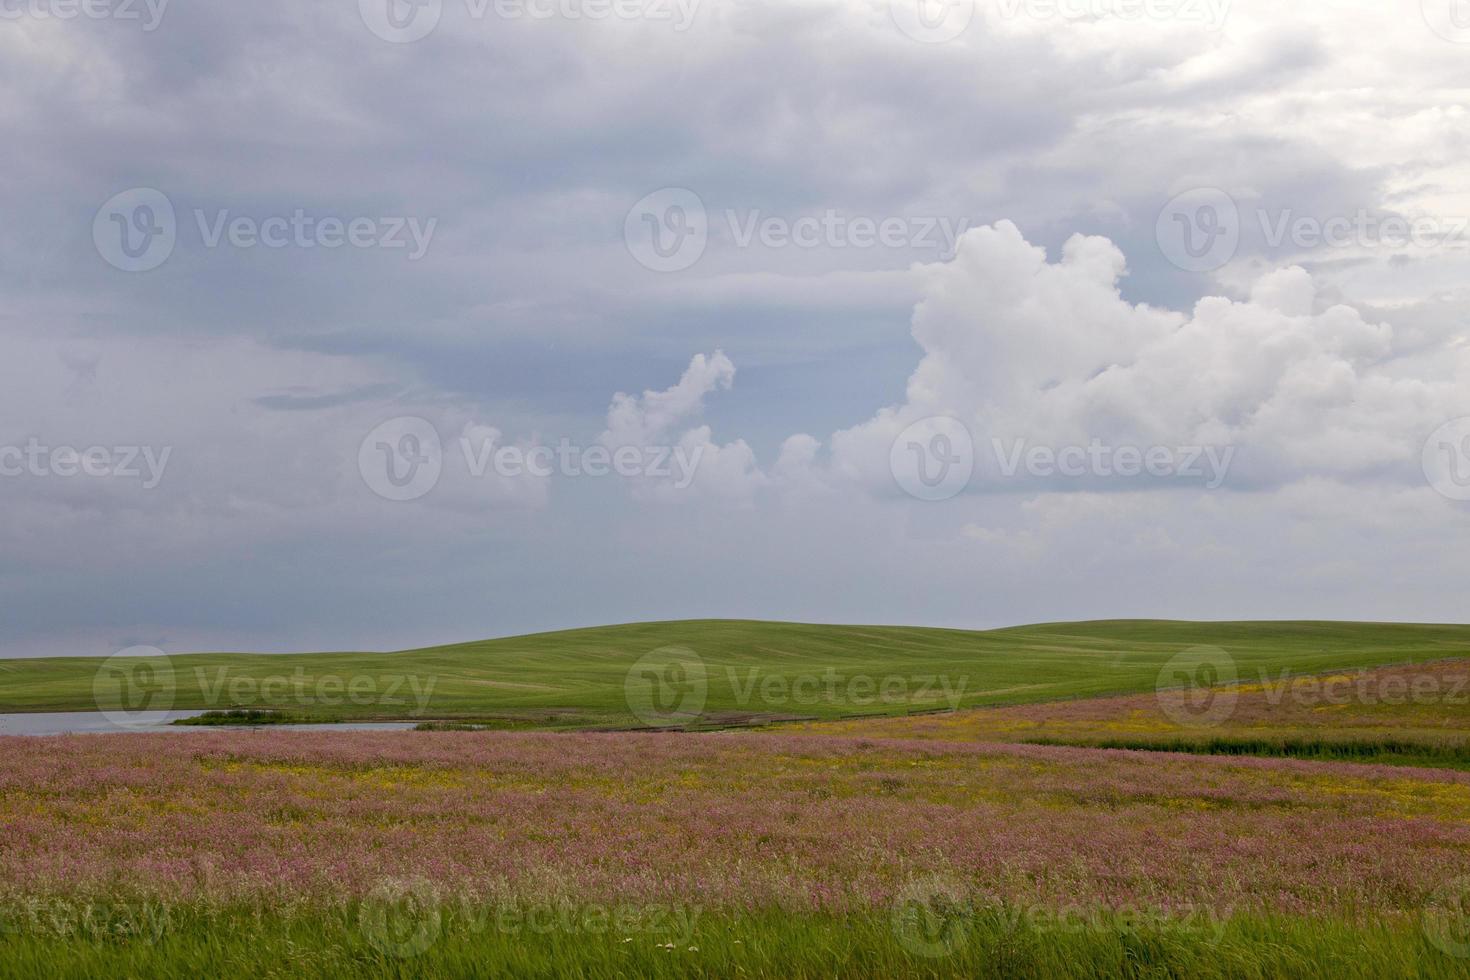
(1388, 751)
(334, 945)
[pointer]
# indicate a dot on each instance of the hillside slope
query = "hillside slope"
(729, 670)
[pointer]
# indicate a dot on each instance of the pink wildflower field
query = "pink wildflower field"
(728, 820)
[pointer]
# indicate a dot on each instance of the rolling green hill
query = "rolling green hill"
(725, 671)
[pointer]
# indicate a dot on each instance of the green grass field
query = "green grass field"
(928, 943)
(752, 671)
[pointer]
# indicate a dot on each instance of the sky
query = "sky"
(376, 324)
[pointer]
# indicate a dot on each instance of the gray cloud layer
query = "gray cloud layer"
(515, 146)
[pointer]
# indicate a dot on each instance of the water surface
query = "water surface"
(96, 722)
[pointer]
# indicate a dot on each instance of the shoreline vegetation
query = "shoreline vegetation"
(1387, 752)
